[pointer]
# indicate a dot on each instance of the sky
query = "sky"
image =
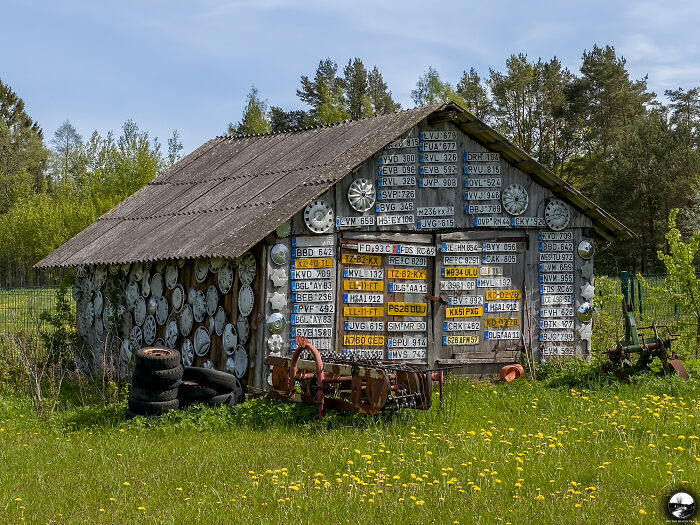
(188, 65)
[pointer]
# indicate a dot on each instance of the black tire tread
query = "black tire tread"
(152, 408)
(156, 379)
(143, 360)
(224, 400)
(193, 391)
(222, 382)
(153, 394)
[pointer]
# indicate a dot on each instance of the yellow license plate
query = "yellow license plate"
(407, 273)
(326, 262)
(407, 309)
(364, 286)
(362, 258)
(363, 311)
(499, 322)
(363, 340)
(503, 295)
(464, 311)
(464, 273)
(460, 340)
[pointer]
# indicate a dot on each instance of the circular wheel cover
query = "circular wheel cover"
(240, 362)
(149, 330)
(225, 278)
(171, 333)
(246, 268)
(230, 339)
(178, 298)
(275, 343)
(140, 311)
(202, 341)
(136, 337)
(146, 285)
(157, 285)
(171, 273)
(132, 293)
(161, 310)
(219, 320)
(215, 264)
(186, 320)
(201, 269)
(200, 307)
(212, 300)
(246, 300)
(557, 215)
(362, 195)
(187, 353)
(318, 216)
(515, 199)
(243, 327)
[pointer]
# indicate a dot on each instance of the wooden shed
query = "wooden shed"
(423, 236)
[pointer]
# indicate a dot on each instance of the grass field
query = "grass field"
(20, 307)
(507, 453)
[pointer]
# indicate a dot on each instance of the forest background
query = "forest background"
(599, 130)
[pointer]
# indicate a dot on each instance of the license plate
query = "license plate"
(475, 209)
(437, 182)
(354, 222)
(460, 273)
(464, 260)
(557, 324)
(483, 182)
(461, 247)
(366, 260)
(363, 298)
(502, 307)
(457, 285)
(495, 271)
(364, 273)
(408, 342)
(433, 224)
(461, 326)
(408, 288)
(441, 145)
(556, 257)
(389, 181)
(406, 260)
(420, 309)
(376, 247)
(312, 263)
(527, 222)
(495, 335)
(438, 135)
(312, 332)
(311, 319)
(482, 169)
(557, 267)
(393, 195)
(435, 211)
(364, 326)
(412, 142)
(415, 249)
(393, 207)
(364, 286)
(556, 312)
(328, 308)
(309, 286)
(465, 300)
(407, 273)
(324, 273)
(407, 354)
(363, 353)
(554, 246)
(503, 295)
(397, 158)
(395, 220)
(556, 288)
(312, 297)
(321, 344)
(464, 311)
(322, 240)
(500, 247)
(481, 156)
(407, 326)
(482, 195)
(491, 222)
(438, 169)
(547, 300)
(550, 278)
(450, 340)
(556, 336)
(363, 340)
(447, 156)
(494, 282)
(561, 351)
(501, 322)
(363, 311)
(499, 259)
(555, 236)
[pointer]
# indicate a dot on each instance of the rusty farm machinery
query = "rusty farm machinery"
(354, 385)
(642, 343)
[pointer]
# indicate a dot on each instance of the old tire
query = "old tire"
(157, 379)
(152, 408)
(193, 391)
(229, 400)
(223, 382)
(151, 394)
(155, 358)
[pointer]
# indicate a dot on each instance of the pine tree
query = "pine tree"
(474, 94)
(255, 118)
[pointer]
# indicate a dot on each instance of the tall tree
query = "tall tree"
(174, 150)
(326, 78)
(379, 94)
(357, 101)
(281, 120)
(474, 94)
(255, 118)
(67, 153)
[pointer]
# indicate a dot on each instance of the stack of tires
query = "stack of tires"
(215, 388)
(155, 382)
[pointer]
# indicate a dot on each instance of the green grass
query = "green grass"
(20, 307)
(519, 453)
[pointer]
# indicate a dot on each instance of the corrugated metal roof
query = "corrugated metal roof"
(232, 191)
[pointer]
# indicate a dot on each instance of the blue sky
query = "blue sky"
(188, 65)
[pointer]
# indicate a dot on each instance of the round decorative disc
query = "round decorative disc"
(318, 216)
(149, 330)
(209, 364)
(161, 310)
(246, 268)
(230, 366)
(186, 320)
(362, 195)
(89, 313)
(225, 278)
(140, 311)
(585, 249)
(178, 298)
(215, 264)
(584, 312)
(219, 320)
(230, 339)
(201, 269)
(152, 305)
(240, 362)
(157, 285)
(160, 265)
(243, 328)
(125, 268)
(210, 325)
(88, 285)
(160, 343)
(557, 214)
(212, 300)
(187, 352)
(98, 303)
(515, 199)
(125, 350)
(100, 276)
(276, 323)
(132, 293)
(181, 263)
(192, 295)
(275, 343)
(246, 300)
(200, 306)
(171, 333)
(284, 229)
(146, 284)
(279, 254)
(136, 337)
(171, 273)
(136, 273)
(113, 269)
(201, 341)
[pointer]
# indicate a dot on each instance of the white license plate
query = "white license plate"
(556, 336)
(354, 222)
(395, 220)
(429, 158)
(491, 222)
(483, 182)
(392, 195)
(407, 260)
(437, 182)
(363, 273)
(312, 332)
(407, 354)
(502, 307)
(527, 222)
(460, 247)
(407, 326)
(499, 259)
(438, 145)
(311, 319)
(310, 286)
(481, 156)
(494, 282)
(467, 284)
(490, 271)
(461, 326)
(556, 288)
(482, 169)
(411, 142)
(364, 353)
(322, 273)
(408, 342)
(312, 297)
(438, 169)
(482, 195)
(460, 260)
(393, 207)
(556, 278)
(328, 308)
(408, 288)
(557, 267)
(476, 209)
(556, 257)
(500, 247)
(397, 158)
(321, 240)
(554, 246)
(552, 351)
(364, 326)
(556, 312)
(433, 224)
(438, 135)
(557, 324)
(496, 335)
(398, 180)
(555, 236)
(363, 298)
(415, 249)
(321, 344)
(465, 300)
(547, 300)
(435, 211)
